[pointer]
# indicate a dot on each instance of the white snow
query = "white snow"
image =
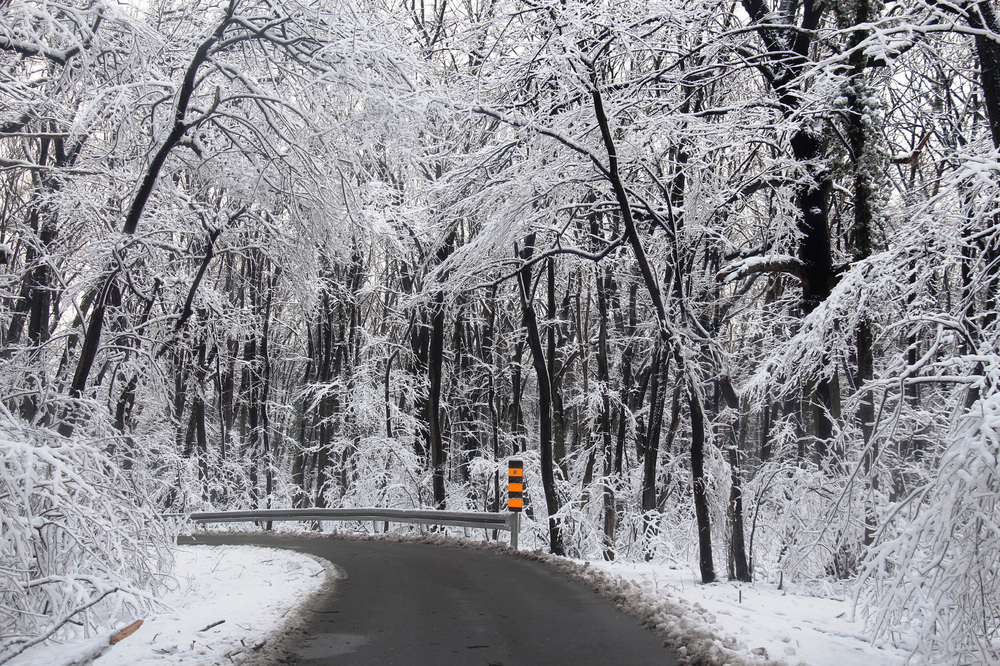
(758, 621)
(255, 592)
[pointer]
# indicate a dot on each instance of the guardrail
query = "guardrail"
(483, 520)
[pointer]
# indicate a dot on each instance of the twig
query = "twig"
(214, 624)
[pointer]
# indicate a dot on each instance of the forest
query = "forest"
(722, 272)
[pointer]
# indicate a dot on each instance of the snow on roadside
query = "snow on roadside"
(763, 621)
(256, 593)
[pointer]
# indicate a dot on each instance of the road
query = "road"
(412, 603)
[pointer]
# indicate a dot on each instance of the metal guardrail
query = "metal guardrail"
(482, 520)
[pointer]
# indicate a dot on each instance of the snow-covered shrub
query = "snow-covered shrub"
(80, 547)
(801, 526)
(935, 574)
(385, 473)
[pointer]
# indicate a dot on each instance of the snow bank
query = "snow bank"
(229, 604)
(758, 622)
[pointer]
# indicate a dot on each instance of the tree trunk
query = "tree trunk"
(982, 16)
(698, 486)
(435, 361)
(741, 568)
(489, 343)
(783, 63)
(858, 111)
(544, 398)
(604, 285)
(558, 413)
(109, 288)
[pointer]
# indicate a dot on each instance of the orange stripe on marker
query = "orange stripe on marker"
(515, 484)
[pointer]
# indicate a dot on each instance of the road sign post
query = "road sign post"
(515, 496)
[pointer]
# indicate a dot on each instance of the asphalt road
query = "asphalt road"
(411, 603)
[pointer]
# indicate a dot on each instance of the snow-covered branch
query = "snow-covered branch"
(750, 266)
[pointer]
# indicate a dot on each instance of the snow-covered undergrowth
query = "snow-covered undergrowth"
(81, 550)
(934, 578)
(227, 604)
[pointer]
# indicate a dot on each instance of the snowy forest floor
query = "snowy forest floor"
(259, 594)
(759, 622)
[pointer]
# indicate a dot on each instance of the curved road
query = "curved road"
(412, 603)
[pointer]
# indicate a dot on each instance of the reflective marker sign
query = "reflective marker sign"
(515, 485)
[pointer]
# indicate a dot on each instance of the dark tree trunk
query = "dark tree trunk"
(196, 439)
(126, 399)
(659, 375)
(329, 335)
(489, 342)
(665, 336)
(866, 417)
(435, 361)
(816, 255)
(35, 298)
(110, 296)
(982, 16)
(629, 403)
(265, 396)
(554, 371)
(387, 395)
(861, 237)
(741, 568)
(658, 379)
(544, 398)
(783, 63)
(604, 286)
(698, 486)
(434, 336)
(516, 412)
(41, 288)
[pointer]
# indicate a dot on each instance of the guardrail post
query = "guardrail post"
(515, 496)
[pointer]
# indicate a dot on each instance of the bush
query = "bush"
(935, 573)
(80, 548)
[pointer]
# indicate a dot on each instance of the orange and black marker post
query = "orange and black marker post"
(515, 485)
(515, 495)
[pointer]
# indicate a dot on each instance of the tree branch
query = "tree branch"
(775, 263)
